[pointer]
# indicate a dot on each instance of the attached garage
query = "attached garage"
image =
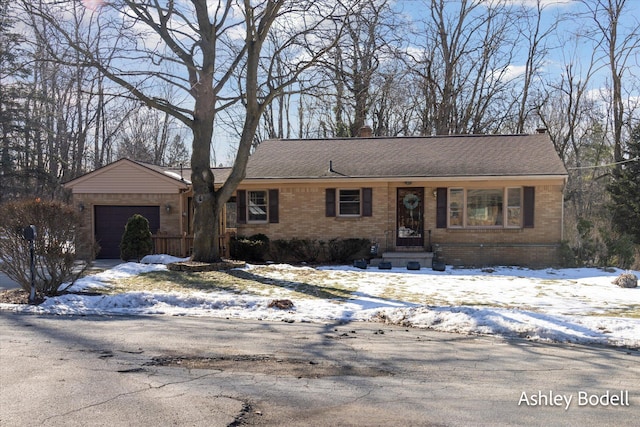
(107, 197)
(110, 222)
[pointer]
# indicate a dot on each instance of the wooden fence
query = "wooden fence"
(182, 246)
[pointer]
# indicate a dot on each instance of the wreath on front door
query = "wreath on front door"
(411, 201)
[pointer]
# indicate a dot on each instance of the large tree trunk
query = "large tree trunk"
(205, 218)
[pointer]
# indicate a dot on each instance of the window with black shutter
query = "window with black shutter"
(274, 217)
(529, 201)
(441, 207)
(367, 202)
(330, 202)
(257, 206)
(241, 203)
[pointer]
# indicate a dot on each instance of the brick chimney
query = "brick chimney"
(365, 132)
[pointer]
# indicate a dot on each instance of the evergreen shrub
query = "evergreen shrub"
(136, 241)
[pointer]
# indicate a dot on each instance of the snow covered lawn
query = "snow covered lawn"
(565, 305)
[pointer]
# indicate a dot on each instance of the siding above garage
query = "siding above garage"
(127, 177)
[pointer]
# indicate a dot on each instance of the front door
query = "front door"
(410, 215)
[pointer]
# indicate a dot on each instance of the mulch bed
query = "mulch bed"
(16, 296)
(194, 266)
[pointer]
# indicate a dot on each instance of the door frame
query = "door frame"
(401, 210)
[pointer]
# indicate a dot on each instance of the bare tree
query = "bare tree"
(395, 108)
(67, 109)
(619, 45)
(151, 136)
(575, 121)
(465, 54)
(371, 35)
(536, 34)
(211, 52)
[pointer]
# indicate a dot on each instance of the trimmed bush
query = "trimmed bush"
(297, 250)
(259, 248)
(136, 241)
(253, 248)
(348, 250)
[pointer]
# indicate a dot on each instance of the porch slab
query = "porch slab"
(401, 259)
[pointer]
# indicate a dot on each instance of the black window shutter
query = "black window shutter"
(367, 202)
(529, 201)
(273, 206)
(441, 207)
(241, 203)
(330, 202)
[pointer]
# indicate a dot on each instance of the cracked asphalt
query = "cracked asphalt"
(161, 370)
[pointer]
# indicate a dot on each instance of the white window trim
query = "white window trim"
(463, 209)
(505, 208)
(266, 206)
(338, 214)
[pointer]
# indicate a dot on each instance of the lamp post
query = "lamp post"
(29, 234)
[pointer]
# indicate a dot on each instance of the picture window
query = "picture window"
(485, 208)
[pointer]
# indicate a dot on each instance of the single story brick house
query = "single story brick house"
(480, 199)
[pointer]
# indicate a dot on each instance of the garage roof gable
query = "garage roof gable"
(128, 177)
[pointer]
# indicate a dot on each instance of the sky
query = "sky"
(579, 305)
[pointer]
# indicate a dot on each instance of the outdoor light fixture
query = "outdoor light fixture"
(168, 208)
(408, 183)
(81, 207)
(435, 194)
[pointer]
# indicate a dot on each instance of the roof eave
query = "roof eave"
(456, 178)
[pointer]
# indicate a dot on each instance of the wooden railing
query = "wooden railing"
(182, 246)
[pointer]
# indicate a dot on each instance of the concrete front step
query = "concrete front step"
(401, 259)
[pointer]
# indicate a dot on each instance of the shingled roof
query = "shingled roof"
(403, 157)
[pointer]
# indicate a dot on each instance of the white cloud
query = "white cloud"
(515, 71)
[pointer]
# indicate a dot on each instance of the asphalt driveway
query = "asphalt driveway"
(6, 283)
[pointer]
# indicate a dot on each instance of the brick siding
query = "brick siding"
(302, 216)
(171, 223)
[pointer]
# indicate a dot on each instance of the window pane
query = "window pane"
(513, 196)
(349, 201)
(456, 202)
(484, 208)
(257, 206)
(514, 207)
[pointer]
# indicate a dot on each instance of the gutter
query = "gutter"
(402, 179)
